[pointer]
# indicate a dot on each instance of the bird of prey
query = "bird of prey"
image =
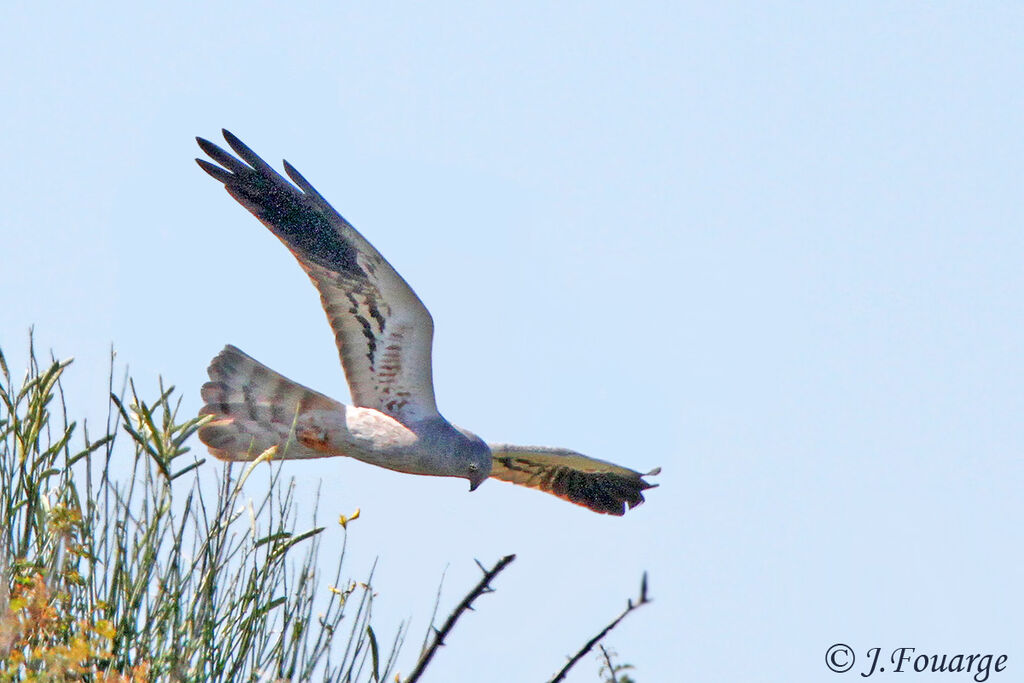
(384, 333)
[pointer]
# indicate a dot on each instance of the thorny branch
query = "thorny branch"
(630, 606)
(466, 604)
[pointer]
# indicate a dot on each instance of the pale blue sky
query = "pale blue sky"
(776, 250)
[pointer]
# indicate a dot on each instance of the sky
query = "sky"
(774, 248)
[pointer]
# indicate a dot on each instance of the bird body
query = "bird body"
(258, 409)
(384, 335)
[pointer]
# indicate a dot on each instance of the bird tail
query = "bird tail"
(255, 408)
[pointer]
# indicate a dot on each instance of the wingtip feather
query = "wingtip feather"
(247, 155)
(209, 148)
(215, 172)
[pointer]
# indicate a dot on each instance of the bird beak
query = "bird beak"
(474, 483)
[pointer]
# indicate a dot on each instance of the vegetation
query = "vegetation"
(122, 567)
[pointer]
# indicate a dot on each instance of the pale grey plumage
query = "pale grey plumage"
(384, 335)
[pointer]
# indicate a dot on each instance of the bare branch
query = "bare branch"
(466, 604)
(643, 600)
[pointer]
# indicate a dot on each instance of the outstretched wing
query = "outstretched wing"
(601, 486)
(382, 329)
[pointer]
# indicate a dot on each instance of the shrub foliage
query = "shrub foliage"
(121, 565)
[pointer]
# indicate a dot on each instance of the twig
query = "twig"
(467, 603)
(608, 663)
(593, 641)
(433, 615)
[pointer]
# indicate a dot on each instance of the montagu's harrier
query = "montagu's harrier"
(384, 333)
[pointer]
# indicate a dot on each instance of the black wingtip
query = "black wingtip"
(216, 172)
(294, 174)
(207, 146)
(239, 147)
(231, 138)
(301, 181)
(247, 155)
(305, 222)
(222, 157)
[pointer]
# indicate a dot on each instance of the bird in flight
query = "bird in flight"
(384, 335)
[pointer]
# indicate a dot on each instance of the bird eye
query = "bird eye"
(473, 467)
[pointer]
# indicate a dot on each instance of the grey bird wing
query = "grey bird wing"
(382, 329)
(596, 484)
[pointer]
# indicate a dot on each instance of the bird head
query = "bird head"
(474, 458)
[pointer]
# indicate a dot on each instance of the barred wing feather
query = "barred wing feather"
(595, 484)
